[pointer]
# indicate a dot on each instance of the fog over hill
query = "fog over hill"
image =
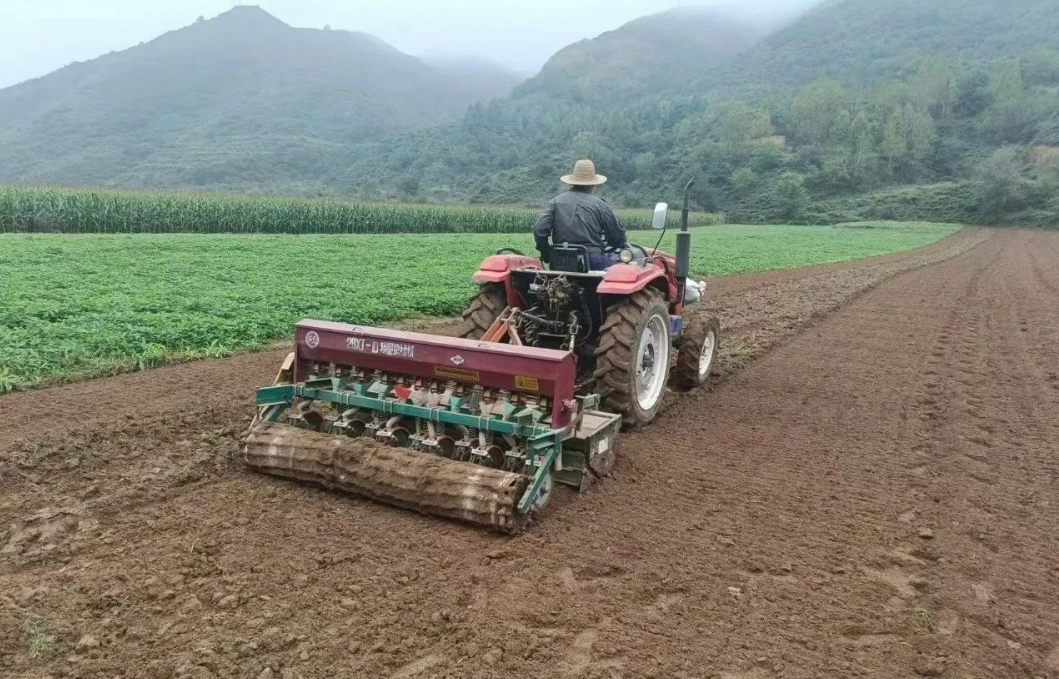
(483, 78)
(44, 36)
(239, 98)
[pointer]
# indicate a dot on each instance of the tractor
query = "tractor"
(549, 365)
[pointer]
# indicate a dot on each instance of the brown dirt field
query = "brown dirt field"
(871, 488)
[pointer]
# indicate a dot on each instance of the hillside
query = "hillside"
(656, 54)
(240, 100)
(861, 41)
(587, 100)
(934, 109)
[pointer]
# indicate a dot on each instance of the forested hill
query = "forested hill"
(239, 100)
(941, 109)
(587, 100)
(861, 41)
(660, 54)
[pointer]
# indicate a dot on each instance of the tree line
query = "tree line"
(976, 142)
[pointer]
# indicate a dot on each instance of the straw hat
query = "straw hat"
(584, 174)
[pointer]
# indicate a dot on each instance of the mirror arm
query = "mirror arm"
(665, 224)
(654, 250)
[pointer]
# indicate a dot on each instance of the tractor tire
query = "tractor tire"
(633, 357)
(697, 352)
(483, 309)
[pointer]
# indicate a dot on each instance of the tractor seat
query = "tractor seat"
(569, 258)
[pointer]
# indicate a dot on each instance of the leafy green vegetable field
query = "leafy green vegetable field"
(76, 306)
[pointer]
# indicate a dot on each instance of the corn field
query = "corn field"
(49, 210)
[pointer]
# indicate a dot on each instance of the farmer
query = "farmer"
(580, 218)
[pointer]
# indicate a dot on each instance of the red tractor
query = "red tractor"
(624, 324)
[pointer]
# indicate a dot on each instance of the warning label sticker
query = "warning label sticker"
(456, 374)
(526, 383)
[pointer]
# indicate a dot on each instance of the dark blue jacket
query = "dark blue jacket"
(578, 218)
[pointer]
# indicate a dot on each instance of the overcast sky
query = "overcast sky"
(39, 36)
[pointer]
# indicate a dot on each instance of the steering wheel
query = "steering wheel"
(512, 251)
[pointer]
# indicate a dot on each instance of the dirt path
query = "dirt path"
(877, 493)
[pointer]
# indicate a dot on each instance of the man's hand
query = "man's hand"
(544, 248)
(542, 230)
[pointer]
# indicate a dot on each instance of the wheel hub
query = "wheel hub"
(706, 355)
(653, 356)
(648, 360)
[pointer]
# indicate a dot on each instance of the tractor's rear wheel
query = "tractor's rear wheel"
(632, 357)
(483, 309)
(697, 353)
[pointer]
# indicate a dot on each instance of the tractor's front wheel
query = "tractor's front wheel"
(697, 352)
(632, 357)
(483, 309)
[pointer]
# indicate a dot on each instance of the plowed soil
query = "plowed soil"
(871, 487)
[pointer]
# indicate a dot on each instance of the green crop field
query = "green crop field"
(76, 306)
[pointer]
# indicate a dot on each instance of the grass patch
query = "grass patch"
(38, 642)
(78, 306)
(925, 619)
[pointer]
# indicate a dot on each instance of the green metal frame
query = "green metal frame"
(544, 445)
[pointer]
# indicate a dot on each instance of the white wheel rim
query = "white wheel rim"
(652, 362)
(706, 356)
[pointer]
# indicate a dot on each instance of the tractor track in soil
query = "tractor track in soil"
(870, 486)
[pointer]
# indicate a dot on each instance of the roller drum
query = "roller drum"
(397, 476)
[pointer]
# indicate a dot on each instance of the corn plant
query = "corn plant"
(56, 210)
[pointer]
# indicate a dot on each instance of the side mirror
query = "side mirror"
(659, 221)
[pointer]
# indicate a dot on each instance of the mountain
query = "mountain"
(510, 150)
(935, 109)
(654, 54)
(240, 100)
(859, 41)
